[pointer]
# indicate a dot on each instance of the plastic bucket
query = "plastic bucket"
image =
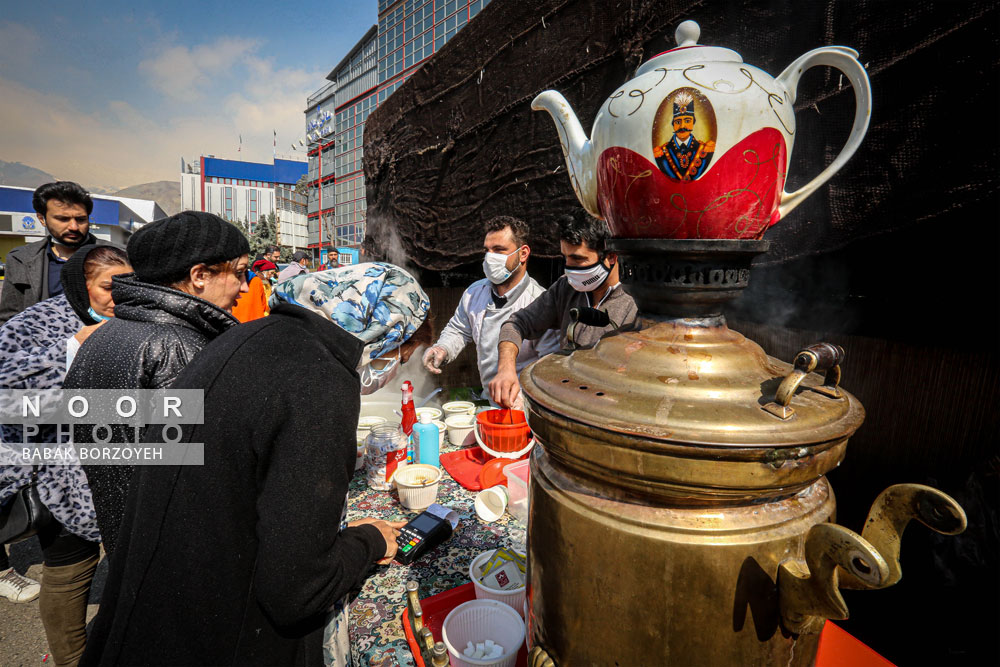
(513, 598)
(478, 620)
(503, 433)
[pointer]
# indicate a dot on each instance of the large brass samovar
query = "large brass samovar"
(679, 508)
(680, 513)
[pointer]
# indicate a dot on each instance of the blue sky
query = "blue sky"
(112, 94)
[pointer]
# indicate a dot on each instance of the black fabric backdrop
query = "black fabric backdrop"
(459, 143)
(895, 257)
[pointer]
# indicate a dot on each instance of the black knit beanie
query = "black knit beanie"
(75, 283)
(164, 251)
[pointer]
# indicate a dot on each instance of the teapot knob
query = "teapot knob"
(687, 33)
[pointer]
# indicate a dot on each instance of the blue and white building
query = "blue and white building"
(113, 218)
(237, 190)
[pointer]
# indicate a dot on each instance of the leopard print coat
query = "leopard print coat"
(33, 356)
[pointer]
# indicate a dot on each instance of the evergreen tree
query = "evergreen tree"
(263, 234)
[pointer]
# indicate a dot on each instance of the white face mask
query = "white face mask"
(373, 379)
(495, 266)
(587, 278)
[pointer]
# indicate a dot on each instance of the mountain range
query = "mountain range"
(165, 193)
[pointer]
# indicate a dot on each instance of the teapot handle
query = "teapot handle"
(846, 60)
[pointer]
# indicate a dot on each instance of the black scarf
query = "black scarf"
(75, 284)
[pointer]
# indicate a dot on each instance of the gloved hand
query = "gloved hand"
(434, 357)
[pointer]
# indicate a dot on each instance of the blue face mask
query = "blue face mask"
(100, 318)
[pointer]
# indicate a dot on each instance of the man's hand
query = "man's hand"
(84, 333)
(434, 357)
(504, 387)
(389, 530)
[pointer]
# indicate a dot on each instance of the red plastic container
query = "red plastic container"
(503, 431)
(836, 647)
(436, 609)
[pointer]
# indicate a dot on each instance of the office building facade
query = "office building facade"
(237, 190)
(408, 33)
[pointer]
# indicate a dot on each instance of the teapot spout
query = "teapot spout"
(578, 150)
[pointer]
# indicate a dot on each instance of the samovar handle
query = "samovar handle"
(808, 593)
(539, 658)
(816, 357)
(892, 511)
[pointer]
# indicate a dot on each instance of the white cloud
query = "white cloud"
(232, 92)
(180, 71)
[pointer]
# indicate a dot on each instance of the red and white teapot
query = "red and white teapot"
(697, 145)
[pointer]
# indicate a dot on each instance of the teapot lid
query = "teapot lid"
(688, 51)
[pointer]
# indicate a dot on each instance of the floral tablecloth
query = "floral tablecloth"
(376, 628)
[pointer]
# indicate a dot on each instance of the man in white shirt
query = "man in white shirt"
(488, 303)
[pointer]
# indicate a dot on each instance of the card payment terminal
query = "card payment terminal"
(420, 536)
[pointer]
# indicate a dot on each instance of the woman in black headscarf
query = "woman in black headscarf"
(190, 269)
(36, 347)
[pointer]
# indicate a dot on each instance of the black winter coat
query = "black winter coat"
(27, 276)
(155, 333)
(237, 561)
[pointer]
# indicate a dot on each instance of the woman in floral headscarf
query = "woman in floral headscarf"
(379, 303)
(267, 508)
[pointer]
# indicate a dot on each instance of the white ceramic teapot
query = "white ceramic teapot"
(698, 144)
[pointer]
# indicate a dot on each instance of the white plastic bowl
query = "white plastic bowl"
(417, 484)
(433, 412)
(513, 598)
(459, 408)
(479, 620)
(460, 427)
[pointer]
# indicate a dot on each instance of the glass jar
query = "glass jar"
(385, 451)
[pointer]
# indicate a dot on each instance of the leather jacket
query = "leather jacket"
(155, 333)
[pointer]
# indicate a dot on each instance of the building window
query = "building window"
(229, 204)
(345, 258)
(253, 205)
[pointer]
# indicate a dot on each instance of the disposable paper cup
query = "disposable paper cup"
(491, 503)
(459, 428)
(417, 484)
(459, 408)
(513, 598)
(433, 412)
(478, 620)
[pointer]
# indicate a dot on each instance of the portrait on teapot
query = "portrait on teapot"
(682, 150)
(697, 144)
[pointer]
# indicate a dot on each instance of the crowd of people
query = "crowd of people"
(247, 557)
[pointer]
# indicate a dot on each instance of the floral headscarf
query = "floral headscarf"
(379, 303)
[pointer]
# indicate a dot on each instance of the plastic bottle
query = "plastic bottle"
(426, 441)
(409, 413)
